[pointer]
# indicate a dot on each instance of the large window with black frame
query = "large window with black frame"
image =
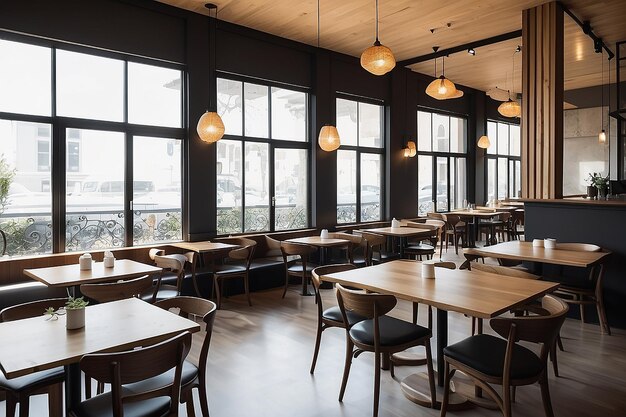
(262, 161)
(441, 162)
(359, 160)
(503, 178)
(100, 133)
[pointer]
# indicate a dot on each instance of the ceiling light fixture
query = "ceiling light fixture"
(484, 142)
(442, 88)
(511, 108)
(602, 134)
(471, 51)
(328, 138)
(378, 59)
(210, 126)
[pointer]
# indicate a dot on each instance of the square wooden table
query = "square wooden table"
(475, 293)
(402, 233)
(37, 344)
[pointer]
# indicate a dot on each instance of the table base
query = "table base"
(416, 388)
(465, 387)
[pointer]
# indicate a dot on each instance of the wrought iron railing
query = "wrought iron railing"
(257, 219)
(346, 213)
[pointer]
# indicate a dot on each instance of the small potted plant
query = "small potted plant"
(75, 312)
(600, 183)
(593, 180)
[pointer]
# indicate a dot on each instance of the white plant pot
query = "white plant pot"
(75, 318)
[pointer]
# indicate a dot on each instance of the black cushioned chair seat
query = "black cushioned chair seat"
(485, 354)
(41, 377)
(189, 373)
(265, 262)
(228, 268)
(100, 406)
(298, 268)
(419, 247)
(392, 331)
(163, 294)
(334, 313)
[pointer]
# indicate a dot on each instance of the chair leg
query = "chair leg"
(446, 390)
(188, 398)
(559, 343)
(318, 340)
(415, 310)
(11, 404)
(506, 400)
(218, 291)
(55, 400)
(204, 399)
(431, 374)
(376, 383)
(246, 284)
(346, 367)
(430, 317)
(555, 365)
(87, 387)
(604, 324)
(545, 396)
(286, 284)
(582, 311)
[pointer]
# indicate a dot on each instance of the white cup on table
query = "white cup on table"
(549, 243)
(428, 270)
(537, 243)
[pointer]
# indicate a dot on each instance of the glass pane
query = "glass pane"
(442, 184)
(491, 179)
(95, 191)
(290, 190)
(257, 199)
(452, 185)
(26, 202)
(518, 179)
(511, 178)
(458, 134)
(424, 131)
(346, 186)
(89, 87)
(229, 105)
(515, 140)
(503, 139)
(502, 178)
(370, 125)
(346, 121)
(25, 78)
(288, 115)
(256, 110)
(492, 134)
(157, 187)
(229, 215)
(154, 95)
(370, 187)
(424, 184)
(441, 133)
(460, 191)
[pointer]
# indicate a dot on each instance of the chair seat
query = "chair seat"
(393, 332)
(101, 406)
(229, 269)
(163, 294)
(298, 268)
(334, 314)
(27, 381)
(485, 354)
(421, 247)
(189, 373)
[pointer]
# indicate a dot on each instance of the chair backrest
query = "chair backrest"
(368, 305)
(446, 265)
(154, 252)
(374, 243)
(245, 252)
(297, 249)
(137, 365)
(452, 220)
(31, 309)
(113, 291)
(518, 217)
(325, 270)
(194, 306)
(436, 216)
(502, 270)
(273, 246)
(357, 243)
(579, 247)
(175, 263)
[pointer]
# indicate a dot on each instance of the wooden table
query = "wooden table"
(475, 293)
(200, 249)
(71, 276)
(474, 216)
(37, 344)
(402, 233)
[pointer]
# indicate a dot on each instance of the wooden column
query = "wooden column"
(542, 101)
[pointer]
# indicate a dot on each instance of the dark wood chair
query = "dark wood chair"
(301, 268)
(380, 334)
(113, 291)
(376, 249)
(425, 247)
(170, 264)
(124, 368)
(19, 390)
(491, 360)
(236, 265)
(455, 230)
(356, 250)
(517, 221)
(193, 376)
(330, 317)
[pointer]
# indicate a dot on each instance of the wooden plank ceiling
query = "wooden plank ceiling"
(347, 26)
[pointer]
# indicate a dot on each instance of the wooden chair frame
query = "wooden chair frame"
(302, 251)
(243, 254)
(113, 291)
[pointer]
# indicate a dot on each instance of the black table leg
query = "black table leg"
(72, 387)
(442, 342)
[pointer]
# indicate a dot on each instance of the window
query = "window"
(359, 161)
(441, 162)
(503, 161)
(262, 163)
(135, 161)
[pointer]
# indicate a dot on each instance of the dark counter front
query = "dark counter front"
(599, 222)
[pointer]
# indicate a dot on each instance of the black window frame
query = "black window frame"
(511, 161)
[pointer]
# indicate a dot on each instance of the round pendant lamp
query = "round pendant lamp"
(442, 88)
(329, 138)
(484, 142)
(510, 108)
(378, 59)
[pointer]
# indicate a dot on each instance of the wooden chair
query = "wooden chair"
(19, 390)
(237, 265)
(331, 317)
(356, 251)
(124, 368)
(517, 220)
(302, 267)
(380, 334)
(113, 291)
(588, 292)
(376, 252)
(172, 264)
(446, 265)
(455, 230)
(418, 248)
(491, 360)
(192, 376)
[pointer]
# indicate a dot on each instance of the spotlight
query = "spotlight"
(471, 51)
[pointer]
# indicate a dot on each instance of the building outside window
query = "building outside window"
(262, 161)
(359, 161)
(105, 109)
(441, 162)
(503, 161)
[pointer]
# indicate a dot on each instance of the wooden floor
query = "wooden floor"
(260, 357)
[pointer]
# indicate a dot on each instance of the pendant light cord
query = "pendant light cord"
(376, 20)
(318, 24)
(602, 90)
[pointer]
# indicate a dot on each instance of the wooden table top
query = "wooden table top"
(36, 344)
(400, 231)
(486, 213)
(525, 251)
(318, 241)
(204, 247)
(499, 208)
(70, 275)
(475, 293)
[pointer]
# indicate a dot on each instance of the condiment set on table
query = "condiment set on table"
(547, 243)
(85, 261)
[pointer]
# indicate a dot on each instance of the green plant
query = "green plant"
(7, 174)
(54, 314)
(597, 180)
(76, 303)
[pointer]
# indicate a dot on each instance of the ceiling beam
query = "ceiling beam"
(461, 48)
(587, 30)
